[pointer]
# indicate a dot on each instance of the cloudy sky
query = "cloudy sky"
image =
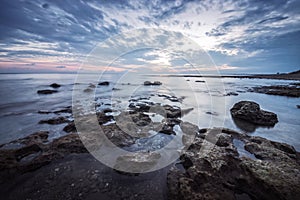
(248, 36)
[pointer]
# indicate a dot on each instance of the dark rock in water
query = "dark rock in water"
(67, 109)
(46, 91)
(105, 83)
(70, 128)
(212, 113)
(147, 83)
(88, 90)
(167, 129)
(231, 94)
(298, 106)
(58, 120)
(281, 90)
(251, 112)
(55, 85)
(222, 173)
(70, 143)
(44, 112)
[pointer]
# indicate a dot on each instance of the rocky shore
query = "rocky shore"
(238, 166)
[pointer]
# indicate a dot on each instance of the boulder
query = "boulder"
(251, 112)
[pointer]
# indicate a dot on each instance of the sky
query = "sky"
(247, 36)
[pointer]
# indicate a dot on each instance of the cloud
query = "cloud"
(234, 31)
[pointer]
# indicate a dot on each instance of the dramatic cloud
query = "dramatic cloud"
(251, 35)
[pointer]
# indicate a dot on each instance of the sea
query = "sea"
(210, 100)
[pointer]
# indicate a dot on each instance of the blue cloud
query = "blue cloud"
(73, 28)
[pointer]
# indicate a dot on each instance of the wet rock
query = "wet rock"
(70, 143)
(231, 94)
(220, 173)
(88, 90)
(167, 129)
(46, 91)
(55, 85)
(212, 113)
(138, 162)
(281, 90)
(52, 121)
(148, 83)
(44, 112)
(70, 128)
(67, 109)
(199, 81)
(251, 112)
(104, 83)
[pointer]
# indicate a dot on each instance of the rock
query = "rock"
(104, 83)
(138, 163)
(221, 173)
(148, 83)
(167, 129)
(70, 143)
(55, 85)
(198, 81)
(44, 112)
(88, 90)
(251, 112)
(46, 91)
(58, 120)
(70, 128)
(298, 106)
(212, 113)
(281, 90)
(231, 94)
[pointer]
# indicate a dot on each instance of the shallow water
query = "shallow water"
(19, 103)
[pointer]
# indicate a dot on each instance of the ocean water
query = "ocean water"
(20, 103)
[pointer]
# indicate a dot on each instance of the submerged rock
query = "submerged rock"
(251, 112)
(199, 81)
(55, 85)
(46, 91)
(104, 83)
(281, 90)
(231, 94)
(58, 120)
(147, 83)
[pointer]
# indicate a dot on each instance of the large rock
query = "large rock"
(255, 169)
(251, 112)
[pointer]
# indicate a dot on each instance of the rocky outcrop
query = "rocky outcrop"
(281, 90)
(258, 169)
(251, 112)
(35, 151)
